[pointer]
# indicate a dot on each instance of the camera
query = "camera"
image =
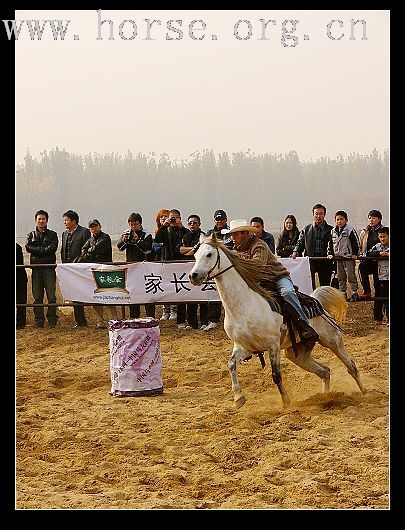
(172, 219)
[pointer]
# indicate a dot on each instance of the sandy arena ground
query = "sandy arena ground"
(80, 448)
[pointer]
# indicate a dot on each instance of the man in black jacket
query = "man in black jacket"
(187, 248)
(138, 247)
(220, 223)
(314, 239)
(21, 288)
(42, 244)
(98, 249)
(73, 240)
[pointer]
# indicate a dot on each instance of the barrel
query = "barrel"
(135, 357)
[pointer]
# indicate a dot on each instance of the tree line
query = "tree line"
(110, 186)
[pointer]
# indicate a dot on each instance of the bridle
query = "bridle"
(218, 262)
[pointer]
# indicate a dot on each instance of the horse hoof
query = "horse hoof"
(240, 402)
(286, 403)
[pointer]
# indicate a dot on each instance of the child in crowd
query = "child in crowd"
(382, 249)
(344, 243)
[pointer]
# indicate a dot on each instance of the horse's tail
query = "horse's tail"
(333, 301)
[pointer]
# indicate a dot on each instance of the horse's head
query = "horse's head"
(206, 260)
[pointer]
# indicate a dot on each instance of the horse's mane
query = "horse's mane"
(251, 272)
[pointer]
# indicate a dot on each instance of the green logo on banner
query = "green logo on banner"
(110, 280)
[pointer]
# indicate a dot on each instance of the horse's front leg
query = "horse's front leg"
(238, 354)
(274, 353)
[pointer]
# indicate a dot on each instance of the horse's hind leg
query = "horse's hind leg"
(274, 353)
(336, 345)
(238, 354)
(305, 360)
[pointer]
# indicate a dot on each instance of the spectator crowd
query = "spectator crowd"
(338, 245)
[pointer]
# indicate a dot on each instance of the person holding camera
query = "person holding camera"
(138, 247)
(169, 311)
(170, 234)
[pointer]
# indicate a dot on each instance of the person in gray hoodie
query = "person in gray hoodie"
(382, 249)
(344, 243)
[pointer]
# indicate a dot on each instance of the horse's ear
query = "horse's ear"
(202, 239)
(208, 239)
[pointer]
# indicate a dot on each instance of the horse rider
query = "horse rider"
(248, 246)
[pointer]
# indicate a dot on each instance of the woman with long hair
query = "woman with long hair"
(288, 237)
(169, 311)
(161, 217)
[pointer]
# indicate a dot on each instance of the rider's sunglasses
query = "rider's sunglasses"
(193, 222)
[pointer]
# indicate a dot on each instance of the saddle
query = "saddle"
(312, 309)
(309, 304)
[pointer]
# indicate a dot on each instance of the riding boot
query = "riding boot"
(306, 331)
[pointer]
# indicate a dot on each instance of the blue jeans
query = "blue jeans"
(44, 280)
(285, 287)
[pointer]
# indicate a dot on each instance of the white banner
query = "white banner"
(150, 282)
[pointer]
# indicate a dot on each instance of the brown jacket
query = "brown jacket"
(254, 248)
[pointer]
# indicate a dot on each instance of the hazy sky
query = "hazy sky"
(324, 96)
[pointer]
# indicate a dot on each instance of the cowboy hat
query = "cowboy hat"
(239, 225)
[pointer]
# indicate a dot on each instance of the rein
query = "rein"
(218, 262)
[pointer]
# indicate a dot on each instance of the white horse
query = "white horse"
(253, 326)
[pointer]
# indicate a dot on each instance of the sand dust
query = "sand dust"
(80, 448)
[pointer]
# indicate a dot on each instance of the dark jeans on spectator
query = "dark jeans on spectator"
(366, 268)
(324, 270)
(44, 280)
(135, 310)
(379, 308)
(21, 298)
(192, 317)
(80, 315)
(181, 313)
(385, 290)
(214, 311)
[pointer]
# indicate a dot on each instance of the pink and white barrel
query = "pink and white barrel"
(135, 357)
